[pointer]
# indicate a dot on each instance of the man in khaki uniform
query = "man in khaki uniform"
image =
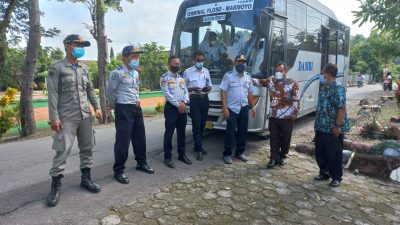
(69, 87)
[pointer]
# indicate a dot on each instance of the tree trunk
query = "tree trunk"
(3, 31)
(102, 57)
(26, 107)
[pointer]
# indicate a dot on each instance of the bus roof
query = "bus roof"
(317, 5)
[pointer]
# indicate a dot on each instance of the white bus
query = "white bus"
(303, 33)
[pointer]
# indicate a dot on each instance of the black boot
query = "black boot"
(54, 195)
(87, 182)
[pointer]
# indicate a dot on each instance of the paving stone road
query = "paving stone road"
(249, 194)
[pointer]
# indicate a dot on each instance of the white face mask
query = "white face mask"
(279, 75)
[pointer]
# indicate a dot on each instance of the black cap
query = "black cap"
(130, 49)
(74, 38)
(240, 58)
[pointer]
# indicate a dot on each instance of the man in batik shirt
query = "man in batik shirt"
(284, 106)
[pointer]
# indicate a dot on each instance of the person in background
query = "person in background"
(212, 49)
(331, 124)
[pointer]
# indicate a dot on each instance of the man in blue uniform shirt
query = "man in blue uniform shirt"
(198, 82)
(237, 99)
(176, 95)
(123, 96)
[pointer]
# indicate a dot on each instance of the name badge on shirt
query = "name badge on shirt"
(234, 84)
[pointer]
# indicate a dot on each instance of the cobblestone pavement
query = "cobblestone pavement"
(249, 194)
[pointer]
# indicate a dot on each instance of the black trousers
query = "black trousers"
(129, 127)
(329, 154)
(174, 119)
(236, 130)
(280, 137)
(198, 113)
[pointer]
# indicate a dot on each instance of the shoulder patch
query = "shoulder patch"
(114, 75)
(226, 76)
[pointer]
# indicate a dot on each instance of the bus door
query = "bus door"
(277, 51)
(324, 46)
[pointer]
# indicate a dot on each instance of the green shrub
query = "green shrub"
(380, 147)
(8, 114)
(160, 107)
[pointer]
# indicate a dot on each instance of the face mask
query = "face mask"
(174, 69)
(78, 52)
(240, 67)
(279, 75)
(322, 79)
(213, 43)
(199, 65)
(134, 63)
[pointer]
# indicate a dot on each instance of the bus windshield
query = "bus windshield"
(221, 38)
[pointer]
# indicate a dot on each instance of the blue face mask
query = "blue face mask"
(240, 68)
(199, 65)
(78, 52)
(134, 63)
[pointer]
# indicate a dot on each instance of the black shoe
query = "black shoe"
(122, 178)
(169, 163)
(145, 168)
(271, 163)
(335, 183)
(185, 159)
(87, 182)
(54, 195)
(321, 177)
(199, 156)
(282, 161)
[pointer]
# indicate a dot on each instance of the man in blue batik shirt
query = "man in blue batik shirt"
(330, 125)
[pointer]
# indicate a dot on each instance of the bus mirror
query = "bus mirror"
(264, 25)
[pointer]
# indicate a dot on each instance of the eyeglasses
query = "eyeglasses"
(199, 60)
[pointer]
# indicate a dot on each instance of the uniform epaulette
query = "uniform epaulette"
(120, 67)
(165, 74)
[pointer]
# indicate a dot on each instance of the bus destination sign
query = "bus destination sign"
(220, 7)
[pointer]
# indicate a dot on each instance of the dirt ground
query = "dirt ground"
(303, 135)
(42, 113)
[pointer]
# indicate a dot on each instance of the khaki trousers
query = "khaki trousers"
(64, 140)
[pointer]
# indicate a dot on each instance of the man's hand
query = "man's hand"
(109, 107)
(56, 125)
(226, 113)
(182, 107)
(253, 112)
(336, 131)
(99, 115)
(197, 90)
(206, 89)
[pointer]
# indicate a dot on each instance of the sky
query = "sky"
(145, 21)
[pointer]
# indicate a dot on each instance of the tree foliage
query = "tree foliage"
(384, 13)
(154, 63)
(370, 55)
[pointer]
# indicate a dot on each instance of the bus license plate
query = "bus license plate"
(209, 125)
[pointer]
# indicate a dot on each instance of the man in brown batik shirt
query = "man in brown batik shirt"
(284, 106)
